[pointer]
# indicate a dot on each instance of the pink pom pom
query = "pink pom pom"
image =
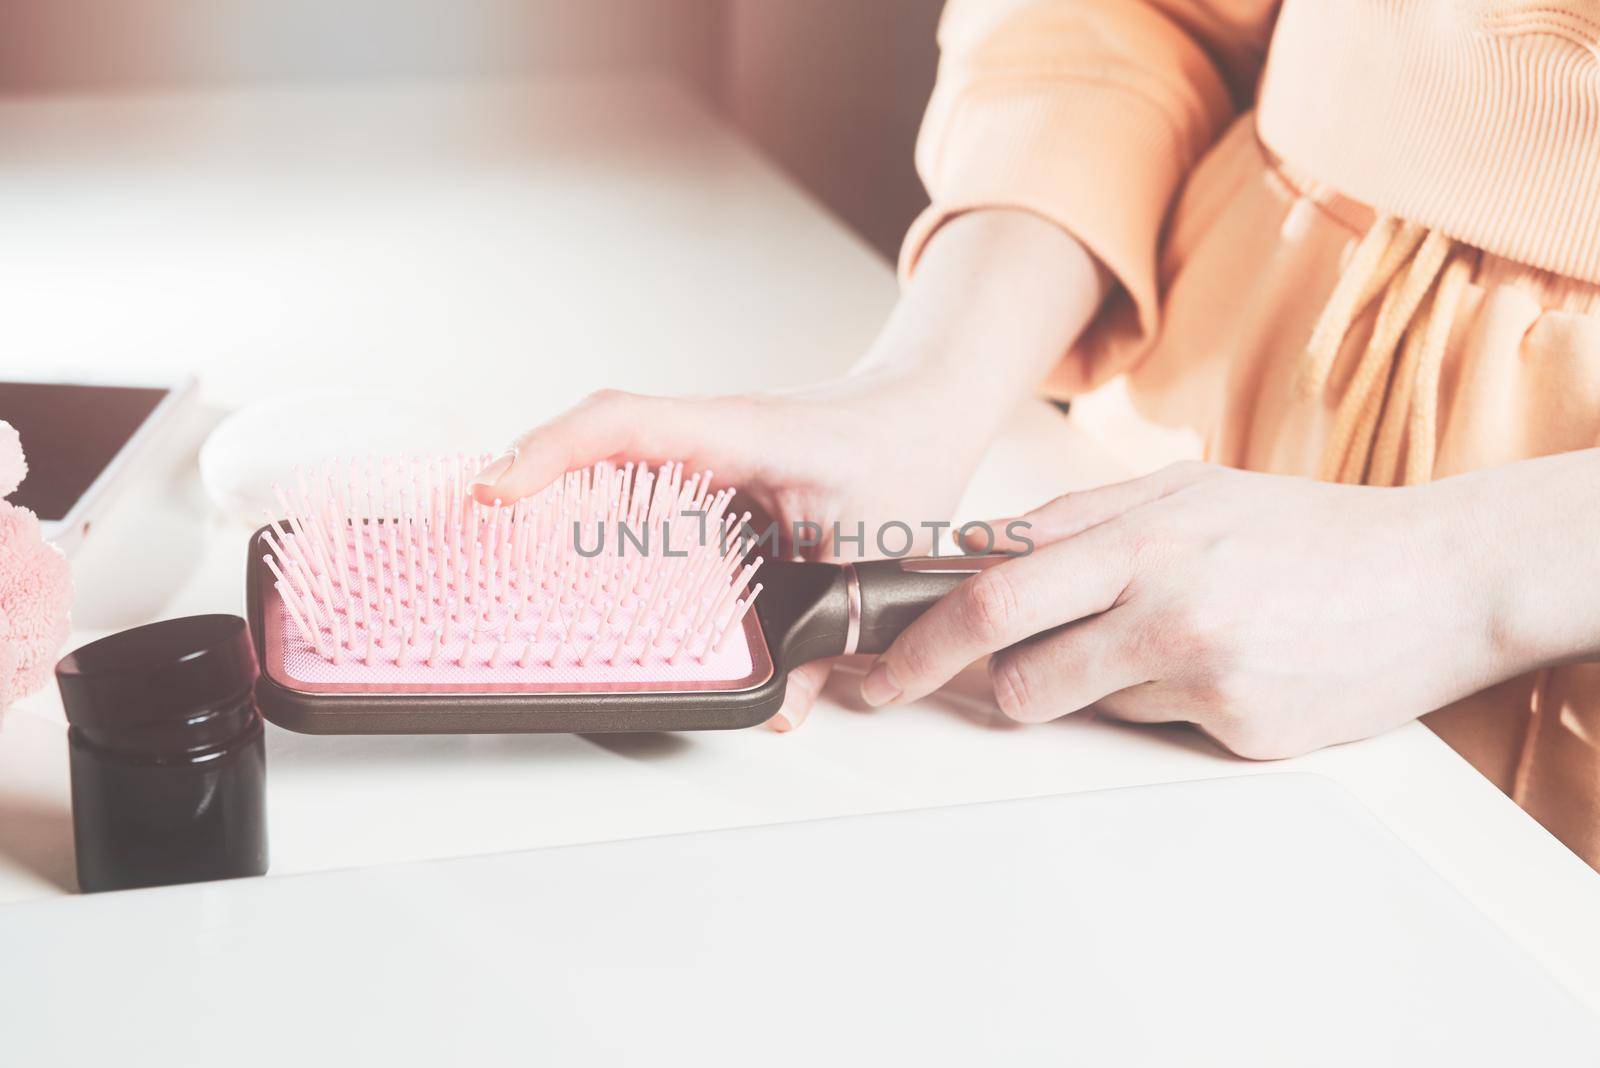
(9, 659)
(13, 468)
(35, 596)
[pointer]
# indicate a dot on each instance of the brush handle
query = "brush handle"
(812, 610)
(884, 597)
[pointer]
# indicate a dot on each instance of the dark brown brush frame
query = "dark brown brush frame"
(806, 607)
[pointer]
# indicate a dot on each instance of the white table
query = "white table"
(502, 250)
(1257, 920)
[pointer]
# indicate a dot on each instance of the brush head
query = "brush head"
(386, 579)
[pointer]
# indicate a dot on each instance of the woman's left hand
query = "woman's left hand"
(1278, 614)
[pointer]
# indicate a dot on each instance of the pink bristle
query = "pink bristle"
(503, 554)
(291, 600)
(738, 616)
(706, 623)
(358, 525)
(499, 651)
(295, 553)
(395, 563)
(392, 631)
(337, 654)
(391, 567)
(287, 571)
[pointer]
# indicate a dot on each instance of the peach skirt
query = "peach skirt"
(1251, 256)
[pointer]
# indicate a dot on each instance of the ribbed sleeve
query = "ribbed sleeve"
(1089, 113)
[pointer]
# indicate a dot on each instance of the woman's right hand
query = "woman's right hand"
(998, 298)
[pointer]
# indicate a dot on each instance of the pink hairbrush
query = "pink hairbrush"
(389, 601)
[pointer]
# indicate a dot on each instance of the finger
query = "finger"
(608, 424)
(1068, 669)
(1253, 737)
(1000, 606)
(1072, 513)
(800, 693)
(1148, 702)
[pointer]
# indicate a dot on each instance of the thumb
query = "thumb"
(804, 684)
(607, 424)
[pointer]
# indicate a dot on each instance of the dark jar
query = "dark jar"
(168, 760)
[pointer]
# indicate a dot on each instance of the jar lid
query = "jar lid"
(158, 673)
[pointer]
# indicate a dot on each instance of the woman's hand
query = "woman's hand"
(1278, 614)
(998, 298)
(852, 451)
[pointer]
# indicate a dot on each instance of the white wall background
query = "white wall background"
(56, 45)
(832, 90)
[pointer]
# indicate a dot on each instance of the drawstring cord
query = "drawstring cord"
(1393, 393)
(1423, 414)
(1392, 397)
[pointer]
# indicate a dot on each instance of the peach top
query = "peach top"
(1476, 118)
(1358, 239)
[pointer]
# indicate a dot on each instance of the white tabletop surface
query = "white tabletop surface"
(1259, 920)
(496, 252)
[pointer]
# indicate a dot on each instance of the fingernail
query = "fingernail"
(879, 687)
(780, 723)
(491, 474)
(984, 539)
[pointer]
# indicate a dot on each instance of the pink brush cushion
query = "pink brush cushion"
(641, 665)
(35, 587)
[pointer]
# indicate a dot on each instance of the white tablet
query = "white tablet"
(80, 435)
